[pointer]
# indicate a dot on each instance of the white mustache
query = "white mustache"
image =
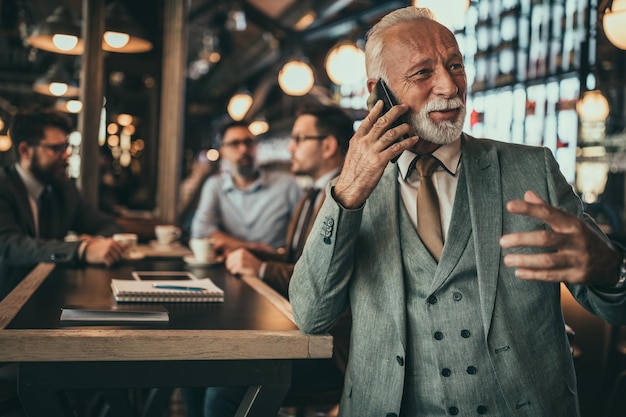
(443, 104)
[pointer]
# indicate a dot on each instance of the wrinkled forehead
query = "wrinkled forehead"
(422, 34)
(414, 41)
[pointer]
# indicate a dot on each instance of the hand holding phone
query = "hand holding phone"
(382, 92)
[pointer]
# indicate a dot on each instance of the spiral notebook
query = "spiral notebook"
(166, 291)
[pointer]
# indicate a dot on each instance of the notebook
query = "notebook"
(166, 291)
(112, 315)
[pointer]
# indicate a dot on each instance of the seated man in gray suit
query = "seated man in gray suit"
(456, 307)
(39, 204)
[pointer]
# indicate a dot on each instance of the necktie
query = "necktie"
(428, 217)
(45, 208)
(303, 223)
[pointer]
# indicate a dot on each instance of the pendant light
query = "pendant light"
(614, 23)
(296, 78)
(345, 63)
(56, 82)
(239, 104)
(121, 33)
(60, 33)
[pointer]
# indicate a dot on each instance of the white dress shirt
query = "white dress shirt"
(445, 179)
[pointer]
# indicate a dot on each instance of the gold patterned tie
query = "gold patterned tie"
(428, 217)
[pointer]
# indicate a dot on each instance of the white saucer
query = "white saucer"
(158, 246)
(192, 261)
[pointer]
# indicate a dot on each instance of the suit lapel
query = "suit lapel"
(383, 211)
(484, 189)
(291, 228)
(21, 197)
(458, 235)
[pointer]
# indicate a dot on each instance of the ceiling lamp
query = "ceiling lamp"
(239, 104)
(305, 21)
(296, 78)
(59, 33)
(69, 106)
(236, 20)
(5, 143)
(56, 82)
(614, 23)
(121, 33)
(591, 178)
(593, 107)
(259, 127)
(449, 13)
(345, 63)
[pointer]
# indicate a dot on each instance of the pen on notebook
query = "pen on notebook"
(178, 287)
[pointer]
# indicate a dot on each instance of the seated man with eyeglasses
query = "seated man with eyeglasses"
(245, 206)
(39, 204)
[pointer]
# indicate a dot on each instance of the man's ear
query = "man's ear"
(24, 150)
(371, 82)
(330, 146)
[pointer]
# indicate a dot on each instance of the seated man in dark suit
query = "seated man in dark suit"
(319, 142)
(39, 204)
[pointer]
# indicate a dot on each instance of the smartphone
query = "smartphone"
(382, 92)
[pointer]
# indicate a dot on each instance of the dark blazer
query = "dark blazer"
(278, 271)
(358, 263)
(20, 249)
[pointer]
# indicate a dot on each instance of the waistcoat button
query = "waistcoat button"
(453, 411)
(481, 409)
(457, 296)
(438, 335)
(432, 299)
(446, 372)
(465, 334)
(471, 370)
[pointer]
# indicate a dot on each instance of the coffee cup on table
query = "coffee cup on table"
(128, 239)
(202, 249)
(166, 234)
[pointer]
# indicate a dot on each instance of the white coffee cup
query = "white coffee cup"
(166, 234)
(128, 239)
(202, 249)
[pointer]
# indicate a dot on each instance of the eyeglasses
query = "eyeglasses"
(248, 143)
(58, 148)
(302, 138)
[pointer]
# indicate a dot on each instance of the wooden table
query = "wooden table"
(249, 339)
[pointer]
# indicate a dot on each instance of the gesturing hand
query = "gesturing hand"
(577, 254)
(369, 153)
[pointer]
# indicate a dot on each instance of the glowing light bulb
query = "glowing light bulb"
(58, 89)
(116, 40)
(64, 42)
(74, 106)
(296, 78)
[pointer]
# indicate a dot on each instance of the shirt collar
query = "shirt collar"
(33, 186)
(325, 179)
(229, 184)
(449, 155)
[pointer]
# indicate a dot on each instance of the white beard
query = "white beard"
(440, 133)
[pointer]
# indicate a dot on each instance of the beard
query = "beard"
(53, 174)
(440, 133)
(245, 168)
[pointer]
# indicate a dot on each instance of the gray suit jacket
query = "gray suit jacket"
(353, 257)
